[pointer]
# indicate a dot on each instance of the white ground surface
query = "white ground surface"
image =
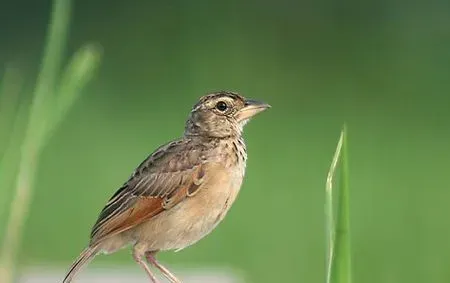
(119, 275)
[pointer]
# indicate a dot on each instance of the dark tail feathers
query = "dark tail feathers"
(84, 258)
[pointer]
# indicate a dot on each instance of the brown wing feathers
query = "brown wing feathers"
(147, 193)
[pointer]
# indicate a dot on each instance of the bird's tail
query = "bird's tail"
(84, 258)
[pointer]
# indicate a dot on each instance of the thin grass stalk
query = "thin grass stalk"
(75, 76)
(10, 88)
(10, 160)
(329, 215)
(338, 226)
(343, 268)
(34, 136)
(11, 128)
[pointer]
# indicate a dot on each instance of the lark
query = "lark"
(182, 191)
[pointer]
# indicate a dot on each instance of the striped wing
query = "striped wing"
(169, 175)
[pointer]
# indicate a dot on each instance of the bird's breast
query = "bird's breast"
(216, 196)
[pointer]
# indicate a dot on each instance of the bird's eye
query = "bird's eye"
(221, 106)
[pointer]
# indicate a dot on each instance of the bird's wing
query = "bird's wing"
(169, 175)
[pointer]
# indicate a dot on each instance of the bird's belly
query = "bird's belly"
(190, 220)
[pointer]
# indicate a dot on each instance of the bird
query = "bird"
(181, 191)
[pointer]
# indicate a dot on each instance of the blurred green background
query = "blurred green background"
(381, 66)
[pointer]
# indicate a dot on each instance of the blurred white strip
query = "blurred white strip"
(121, 275)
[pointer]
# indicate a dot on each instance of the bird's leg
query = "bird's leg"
(151, 259)
(141, 262)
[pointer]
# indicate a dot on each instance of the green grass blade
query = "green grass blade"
(51, 100)
(10, 88)
(10, 160)
(50, 67)
(329, 215)
(338, 233)
(76, 75)
(33, 140)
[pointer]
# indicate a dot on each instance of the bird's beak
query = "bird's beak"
(251, 108)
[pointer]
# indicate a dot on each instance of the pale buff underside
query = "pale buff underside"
(190, 220)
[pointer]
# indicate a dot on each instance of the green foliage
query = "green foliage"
(52, 98)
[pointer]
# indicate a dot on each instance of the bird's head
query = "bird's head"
(222, 114)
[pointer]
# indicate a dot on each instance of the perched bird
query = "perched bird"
(181, 191)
